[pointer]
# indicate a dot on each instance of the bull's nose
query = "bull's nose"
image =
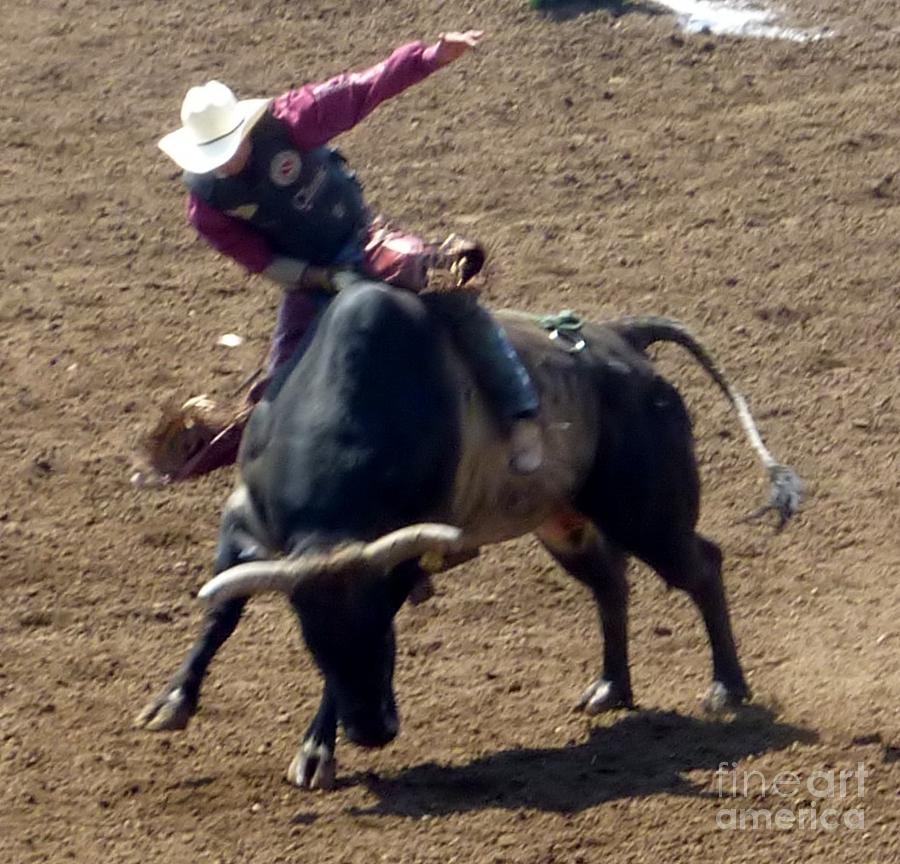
(368, 734)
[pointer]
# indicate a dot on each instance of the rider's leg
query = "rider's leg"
(499, 371)
(406, 261)
(293, 330)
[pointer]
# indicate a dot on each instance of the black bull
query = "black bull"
(356, 465)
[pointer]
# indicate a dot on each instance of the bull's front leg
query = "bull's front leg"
(314, 766)
(174, 706)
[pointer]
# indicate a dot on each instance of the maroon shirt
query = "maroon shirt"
(314, 114)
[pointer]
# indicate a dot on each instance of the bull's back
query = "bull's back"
(381, 424)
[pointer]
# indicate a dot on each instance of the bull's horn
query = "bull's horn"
(411, 542)
(243, 580)
(257, 577)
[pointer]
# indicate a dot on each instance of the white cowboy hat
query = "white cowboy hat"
(213, 125)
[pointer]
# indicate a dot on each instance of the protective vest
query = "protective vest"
(306, 202)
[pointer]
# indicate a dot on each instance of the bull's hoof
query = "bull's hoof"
(314, 767)
(720, 698)
(602, 696)
(169, 712)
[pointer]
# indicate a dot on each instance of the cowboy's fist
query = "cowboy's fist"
(316, 278)
(451, 46)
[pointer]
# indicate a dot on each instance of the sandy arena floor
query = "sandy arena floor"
(614, 166)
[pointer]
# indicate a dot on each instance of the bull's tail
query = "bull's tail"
(643, 331)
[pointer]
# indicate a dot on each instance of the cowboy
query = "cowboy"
(266, 190)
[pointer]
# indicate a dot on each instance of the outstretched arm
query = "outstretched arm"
(316, 113)
(451, 46)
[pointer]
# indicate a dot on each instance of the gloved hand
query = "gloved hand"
(451, 46)
(317, 278)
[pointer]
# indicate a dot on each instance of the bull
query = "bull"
(374, 460)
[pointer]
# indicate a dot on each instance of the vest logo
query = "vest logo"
(245, 211)
(306, 196)
(285, 167)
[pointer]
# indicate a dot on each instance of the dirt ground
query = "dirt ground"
(614, 166)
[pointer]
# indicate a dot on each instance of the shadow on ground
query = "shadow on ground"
(641, 755)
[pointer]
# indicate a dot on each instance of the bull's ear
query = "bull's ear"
(430, 563)
(421, 591)
(439, 562)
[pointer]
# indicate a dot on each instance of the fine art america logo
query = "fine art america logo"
(824, 800)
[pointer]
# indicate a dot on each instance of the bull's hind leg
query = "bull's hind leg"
(579, 548)
(174, 706)
(645, 495)
(695, 566)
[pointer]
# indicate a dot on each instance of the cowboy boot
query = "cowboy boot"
(222, 450)
(526, 446)
(499, 372)
(187, 441)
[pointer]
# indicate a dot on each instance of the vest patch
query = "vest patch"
(285, 167)
(305, 197)
(245, 211)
